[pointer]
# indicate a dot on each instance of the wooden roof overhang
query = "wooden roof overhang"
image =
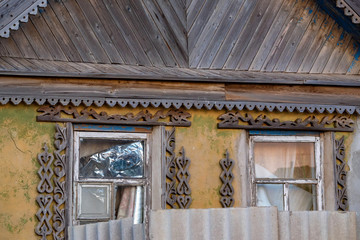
(132, 86)
(12, 12)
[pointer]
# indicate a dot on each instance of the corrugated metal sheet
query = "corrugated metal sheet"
(251, 223)
(113, 230)
(263, 223)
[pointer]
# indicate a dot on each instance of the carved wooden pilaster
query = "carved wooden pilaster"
(59, 182)
(227, 190)
(340, 176)
(170, 168)
(183, 175)
(45, 198)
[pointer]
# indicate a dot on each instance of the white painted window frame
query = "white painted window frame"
(145, 181)
(318, 180)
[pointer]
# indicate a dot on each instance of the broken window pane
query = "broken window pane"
(104, 158)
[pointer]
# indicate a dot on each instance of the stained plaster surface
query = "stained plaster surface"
(21, 139)
(353, 177)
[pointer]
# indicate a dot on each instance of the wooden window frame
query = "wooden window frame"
(318, 181)
(145, 181)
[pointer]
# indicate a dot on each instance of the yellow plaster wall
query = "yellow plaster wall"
(21, 139)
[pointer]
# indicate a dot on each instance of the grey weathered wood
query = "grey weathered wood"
(11, 9)
(347, 58)
(339, 51)
(117, 38)
(11, 47)
(326, 50)
(244, 38)
(210, 27)
(265, 48)
(48, 38)
(23, 44)
(193, 9)
(175, 44)
(89, 36)
(71, 30)
(97, 27)
(127, 33)
(284, 36)
(259, 35)
(316, 46)
(239, 24)
(60, 35)
(221, 33)
(36, 41)
(307, 16)
(306, 41)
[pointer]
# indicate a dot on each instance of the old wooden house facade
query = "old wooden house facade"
(244, 112)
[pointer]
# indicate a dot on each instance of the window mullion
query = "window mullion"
(286, 197)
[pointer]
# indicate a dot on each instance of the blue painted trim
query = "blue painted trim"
(282, 133)
(95, 127)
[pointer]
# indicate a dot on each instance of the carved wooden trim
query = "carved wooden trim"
(340, 176)
(227, 190)
(348, 11)
(312, 123)
(183, 175)
(170, 168)
(59, 222)
(45, 198)
(89, 115)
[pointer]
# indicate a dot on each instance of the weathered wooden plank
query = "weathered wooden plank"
(326, 50)
(306, 17)
(127, 33)
(232, 36)
(98, 28)
(141, 33)
(220, 34)
(193, 9)
(117, 38)
(10, 9)
(180, 10)
(178, 30)
(196, 29)
(316, 46)
(23, 44)
(284, 36)
(306, 41)
(293, 94)
(66, 44)
(3, 50)
(175, 46)
(35, 65)
(5, 65)
(244, 38)
(347, 58)
(266, 46)
(337, 54)
(89, 36)
(15, 64)
(36, 41)
(259, 35)
(48, 38)
(355, 64)
(72, 31)
(11, 47)
(140, 14)
(123, 89)
(211, 26)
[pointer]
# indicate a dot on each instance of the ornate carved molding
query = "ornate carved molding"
(170, 168)
(88, 115)
(59, 182)
(45, 198)
(183, 175)
(340, 176)
(227, 190)
(336, 123)
(187, 104)
(348, 11)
